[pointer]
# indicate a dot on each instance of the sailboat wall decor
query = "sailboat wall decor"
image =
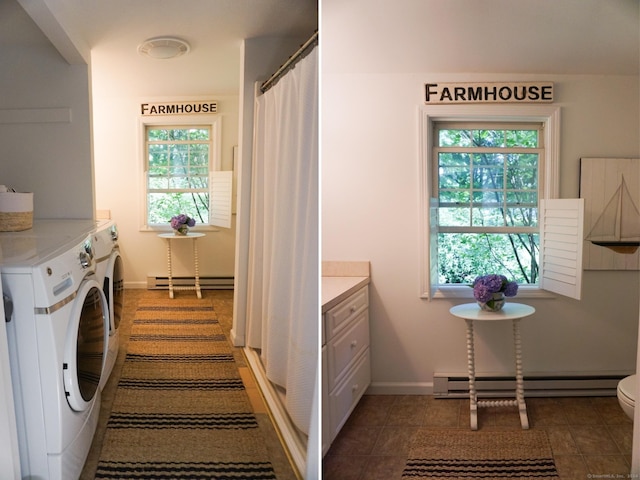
(618, 226)
(611, 189)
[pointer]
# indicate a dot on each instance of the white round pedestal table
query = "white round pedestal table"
(171, 237)
(471, 312)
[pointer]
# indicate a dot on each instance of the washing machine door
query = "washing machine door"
(114, 289)
(86, 345)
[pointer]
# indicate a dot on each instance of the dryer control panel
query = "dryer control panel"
(59, 277)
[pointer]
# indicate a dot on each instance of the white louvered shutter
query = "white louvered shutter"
(561, 237)
(221, 190)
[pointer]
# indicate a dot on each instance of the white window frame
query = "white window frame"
(219, 180)
(548, 115)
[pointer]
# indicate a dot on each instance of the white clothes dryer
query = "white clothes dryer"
(110, 274)
(9, 454)
(57, 338)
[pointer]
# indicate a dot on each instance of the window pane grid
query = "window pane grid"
(497, 193)
(487, 184)
(178, 172)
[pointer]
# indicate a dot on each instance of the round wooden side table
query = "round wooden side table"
(471, 312)
(170, 237)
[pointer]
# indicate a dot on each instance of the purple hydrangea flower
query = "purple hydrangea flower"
(493, 282)
(485, 286)
(510, 289)
(481, 292)
(181, 220)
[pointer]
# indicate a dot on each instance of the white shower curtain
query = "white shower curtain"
(283, 306)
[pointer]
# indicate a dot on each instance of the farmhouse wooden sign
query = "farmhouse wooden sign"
(495, 92)
(178, 108)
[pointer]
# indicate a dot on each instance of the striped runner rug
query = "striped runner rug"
(513, 455)
(180, 410)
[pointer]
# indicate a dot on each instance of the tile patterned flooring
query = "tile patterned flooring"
(590, 436)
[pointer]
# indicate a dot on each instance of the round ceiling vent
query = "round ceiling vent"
(164, 47)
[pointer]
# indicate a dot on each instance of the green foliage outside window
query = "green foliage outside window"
(487, 183)
(178, 163)
(464, 256)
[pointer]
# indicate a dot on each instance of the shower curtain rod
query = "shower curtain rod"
(290, 63)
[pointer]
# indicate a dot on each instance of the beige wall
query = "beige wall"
(118, 90)
(119, 86)
(45, 122)
(370, 211)
(119, 176)
(120, 186)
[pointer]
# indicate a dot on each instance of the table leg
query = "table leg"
(169, 262)
(522, 406)
(197, 272)
(473, 397)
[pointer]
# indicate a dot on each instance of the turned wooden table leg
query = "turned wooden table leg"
(473, 397)
(169, 268)
(197, 271)
(522, 406)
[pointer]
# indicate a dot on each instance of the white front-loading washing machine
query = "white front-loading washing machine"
(110, 274)
(57, 337)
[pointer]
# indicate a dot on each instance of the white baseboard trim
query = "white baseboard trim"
(456, 385)
(400, 388)
(206, 283)
(585, 385)
(236, 340)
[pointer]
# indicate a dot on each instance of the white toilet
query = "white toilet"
(627, 394)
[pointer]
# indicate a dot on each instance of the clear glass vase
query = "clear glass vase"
(493, 305)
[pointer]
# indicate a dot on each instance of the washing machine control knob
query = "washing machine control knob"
(88, 247)
(85, 259)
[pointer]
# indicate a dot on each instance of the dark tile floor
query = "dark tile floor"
(590, 436)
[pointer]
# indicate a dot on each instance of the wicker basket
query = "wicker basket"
(16, 211)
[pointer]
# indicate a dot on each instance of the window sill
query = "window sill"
(199, 229)
(467, 293)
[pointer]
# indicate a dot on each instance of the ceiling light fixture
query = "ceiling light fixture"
(164, 47)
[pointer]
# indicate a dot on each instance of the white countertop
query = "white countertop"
(336, 289)
(46, 239)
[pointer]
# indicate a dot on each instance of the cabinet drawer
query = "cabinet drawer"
(340, 315)
(346, 395)
(346, 347)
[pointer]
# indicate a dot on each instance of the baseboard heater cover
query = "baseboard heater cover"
(206, 283)
(457, 385)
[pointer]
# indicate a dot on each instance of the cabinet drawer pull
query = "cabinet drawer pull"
(353, 308)
(354, 388)
(354, 344)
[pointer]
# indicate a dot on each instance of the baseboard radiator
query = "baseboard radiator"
(457, 385)
(206, 283)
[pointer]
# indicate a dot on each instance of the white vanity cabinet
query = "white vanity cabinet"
(346, 363)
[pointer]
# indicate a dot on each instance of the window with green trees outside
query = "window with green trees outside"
(487, 179)
(178, 172)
